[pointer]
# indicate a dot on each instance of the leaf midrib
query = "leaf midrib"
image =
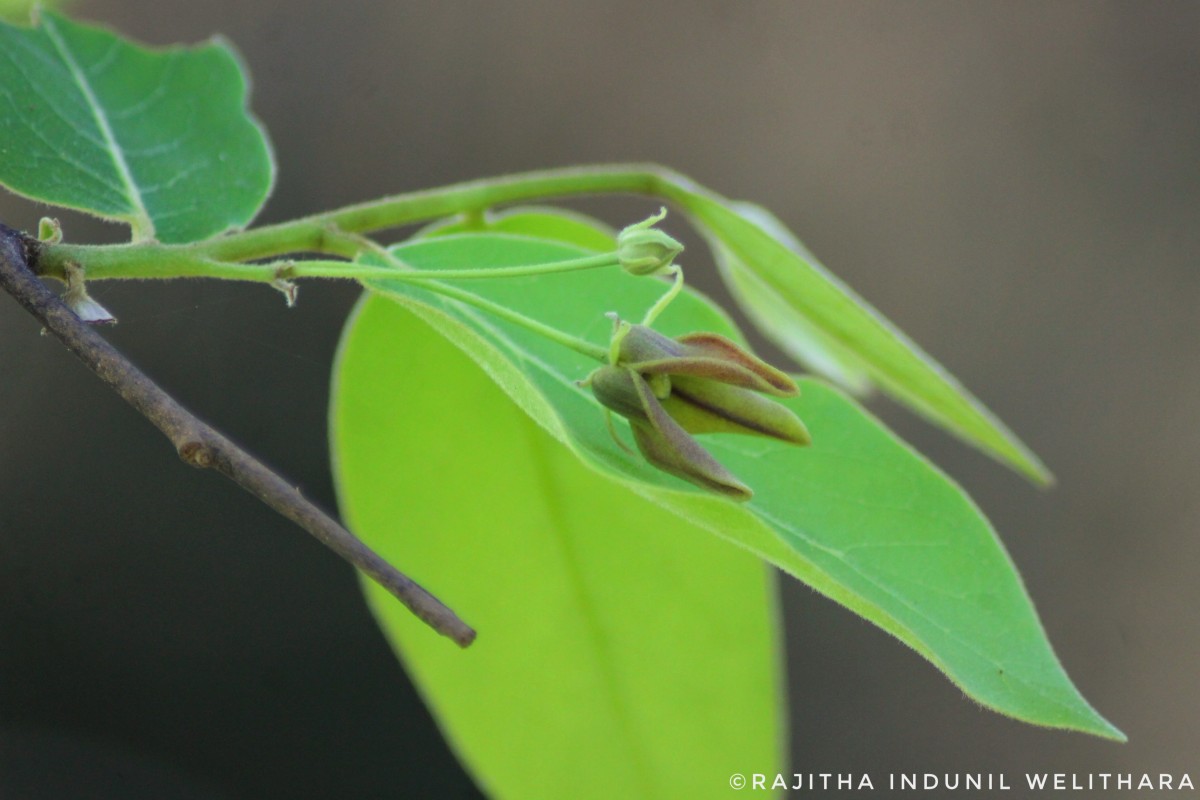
(143, 227)
(587, 610)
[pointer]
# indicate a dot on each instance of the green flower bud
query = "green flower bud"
(49, 230)
(669, 389)
(644, 250)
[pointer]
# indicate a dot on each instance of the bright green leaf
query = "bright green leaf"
(778, 321)
(622, 652)
(858, 515)
(555, 224)
(800, 304)
(159, 139)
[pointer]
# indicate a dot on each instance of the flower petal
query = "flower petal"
(614, 388)
(702, 355)
(701, 406)
(668, 446)
(704, 367)
(714, 346)
(640, 343)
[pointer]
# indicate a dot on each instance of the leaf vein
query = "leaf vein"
(146, 227)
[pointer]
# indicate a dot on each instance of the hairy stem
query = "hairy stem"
(197, 443)
(676, 274)
(563, 338)
(173, 264)
(339, 232)
(469, 197)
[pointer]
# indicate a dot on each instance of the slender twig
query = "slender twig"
(197, 443)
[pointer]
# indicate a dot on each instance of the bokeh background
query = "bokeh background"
(1016, 184)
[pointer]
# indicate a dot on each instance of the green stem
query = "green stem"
(178, 263)
(570, 265)
(553, 334)
(339, 232)
(665, 300)
(311, 233)
(182, 265)
(404, 274)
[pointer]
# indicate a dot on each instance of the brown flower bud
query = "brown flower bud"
(669, 389)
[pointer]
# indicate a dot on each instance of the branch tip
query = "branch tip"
(197, 443)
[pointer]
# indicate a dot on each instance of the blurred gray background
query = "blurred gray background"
(1016, 184)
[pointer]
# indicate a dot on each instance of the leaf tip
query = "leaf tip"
(1044, 477)
(1030, 466)
(1113, 733)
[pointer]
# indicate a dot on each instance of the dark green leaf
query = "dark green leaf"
(159, 139)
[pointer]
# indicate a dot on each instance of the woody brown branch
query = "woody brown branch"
(199, 444)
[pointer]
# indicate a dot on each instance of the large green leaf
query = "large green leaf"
(793, 333)
(622, 652)
(858, 516)
(160, 139)
(804, 307)
(662, 639)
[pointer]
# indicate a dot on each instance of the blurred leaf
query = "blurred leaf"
(19, 11)
(777, 320)
(622, 652)
(159, 139)
(813, 315)
(858, 516)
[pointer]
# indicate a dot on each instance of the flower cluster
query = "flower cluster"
(669, 389)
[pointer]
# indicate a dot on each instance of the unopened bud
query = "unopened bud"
(699, 383)
(642, 249)
(49, 230)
